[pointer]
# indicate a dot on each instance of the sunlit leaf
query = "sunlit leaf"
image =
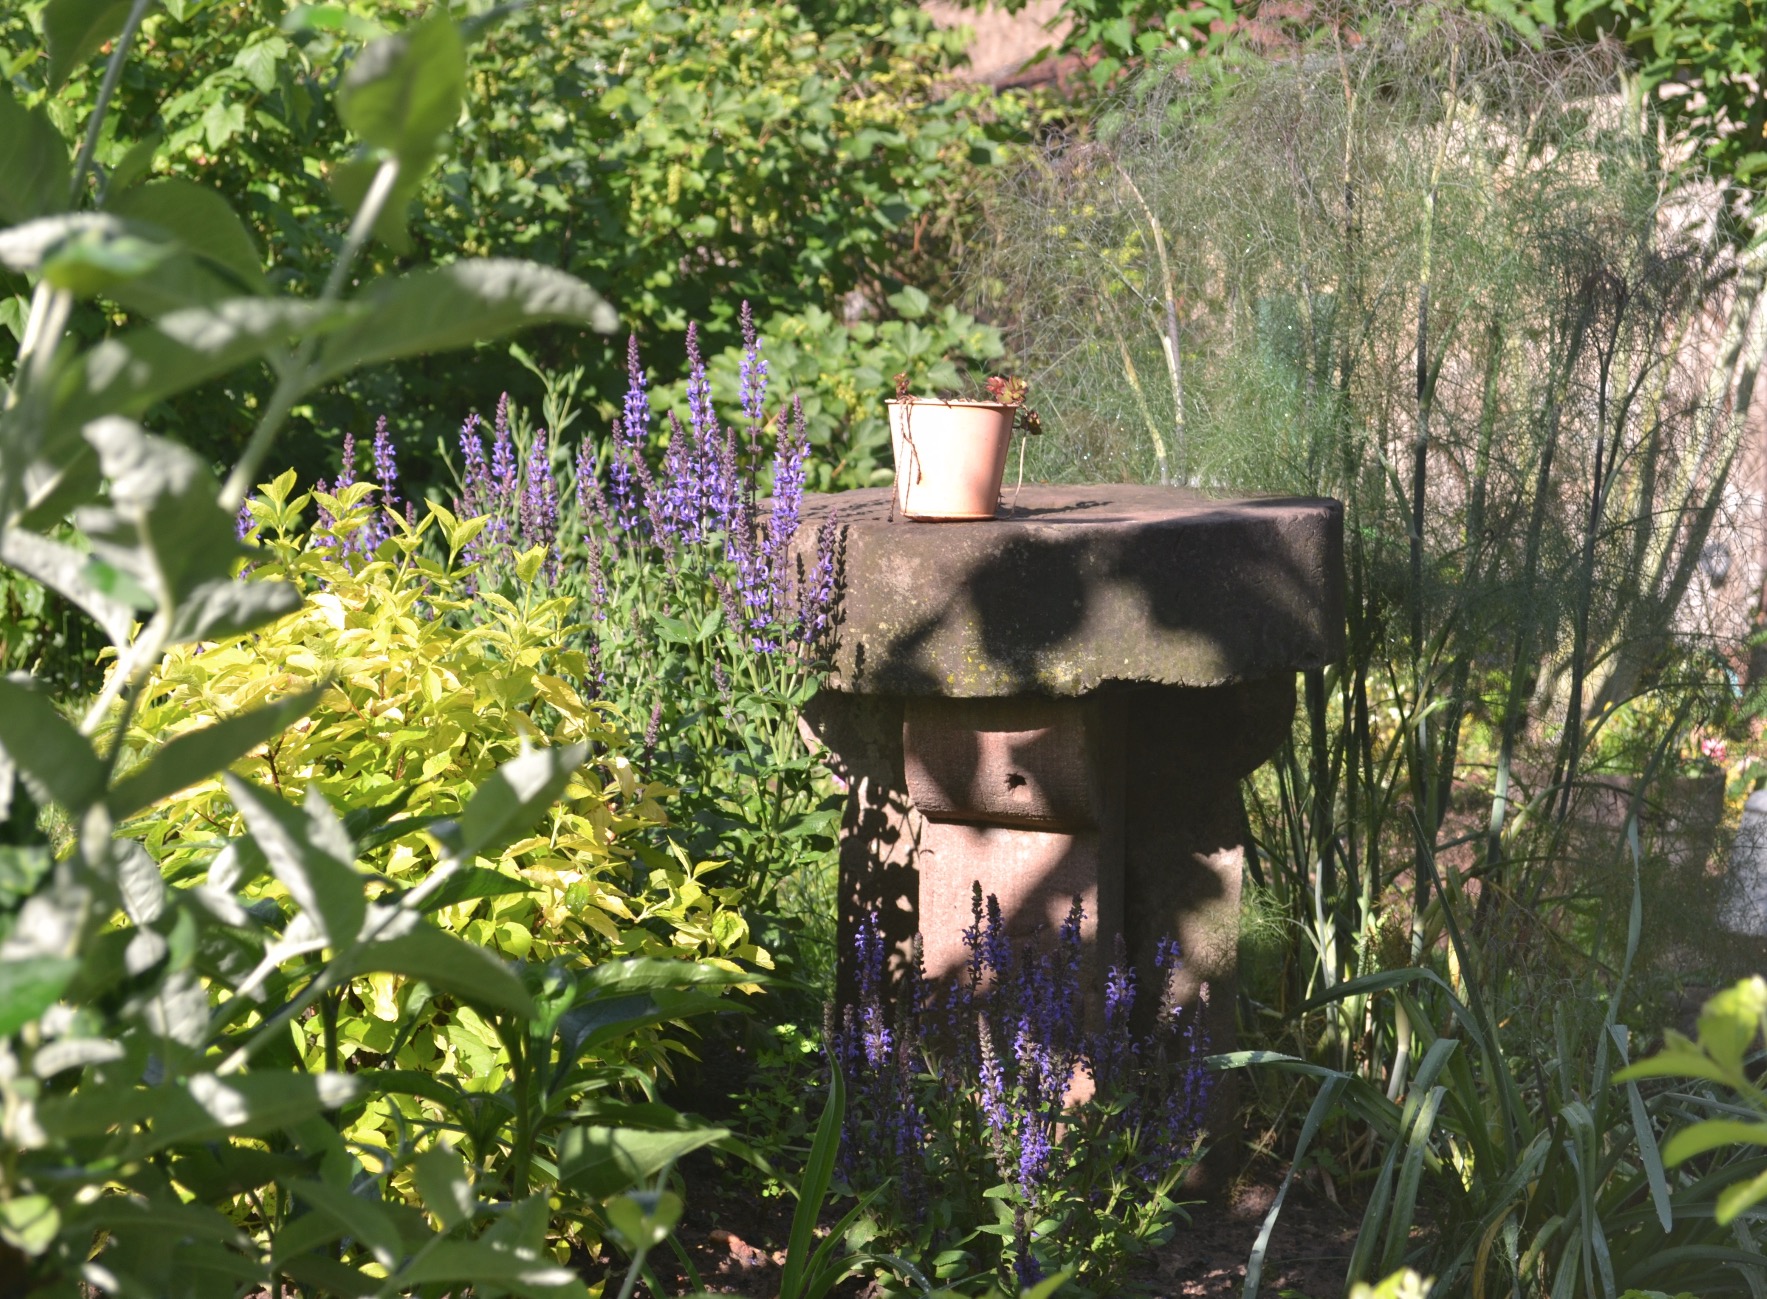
(56, 761)
(1711, 1134)
(449, 965)
(324, 884)
(196, 755)
(163, 511)
(514, 797)
(405, 89)
(464, 303)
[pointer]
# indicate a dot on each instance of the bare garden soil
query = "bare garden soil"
(736, 1240)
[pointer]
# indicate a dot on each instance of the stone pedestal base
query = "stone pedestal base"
(1126, 798)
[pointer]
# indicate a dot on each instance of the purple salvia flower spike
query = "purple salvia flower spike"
(503, 484)
(347, 475)
(637, 404)
(679, 508)
(503, 467)
(631, 436)
(475, 475)
(622, 490)
(386, 473)
(752, 377)
(591, 500)
(540, 503)
(788, 490)
(386, 468)
(702, 423)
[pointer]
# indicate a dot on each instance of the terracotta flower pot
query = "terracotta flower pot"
(950, 457)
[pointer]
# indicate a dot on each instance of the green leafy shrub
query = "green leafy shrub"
(420, 704)
(682, 158)
(152, 1030)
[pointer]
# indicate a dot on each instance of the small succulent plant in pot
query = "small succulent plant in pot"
(951, 452)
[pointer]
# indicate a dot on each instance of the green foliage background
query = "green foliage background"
(683, 157)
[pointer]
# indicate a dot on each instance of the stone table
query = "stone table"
(1061, 703)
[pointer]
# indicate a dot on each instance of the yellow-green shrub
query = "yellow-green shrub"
(430, 690)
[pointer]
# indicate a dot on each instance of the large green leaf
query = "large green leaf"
(197, 755)
(603, 1162)
(74, 29)
(34, 171)
(83, 252)
(28, 988)
(56, 761)
(209, 1106)
(1731, 1020)
(64, 570)
(304, 856)
(224, 607)
(29, 1223)
(440, 1176)
(651, 973)
(164, 521)
(506, 806)
(200, 220)
(604, 1019)
(1712, 1134)
(406, 89)
(128, 373)
(352, 178)
(475, 1263)
(359, 1216)
(202, 1108)
(818, 1172)
(139, 883)
(442, 308)
(448, 964)
(467, 884)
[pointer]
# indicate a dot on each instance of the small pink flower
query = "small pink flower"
(1713, 749)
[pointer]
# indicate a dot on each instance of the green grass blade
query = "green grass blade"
(1417, 1146)
(818, 1172)
(695, 1283)
(1649, 1154)
(1374, 1218)
(825, 1270)
(1316, 1115)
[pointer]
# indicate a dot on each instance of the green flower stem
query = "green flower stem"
(293, 378)
(631, 1281)
(113, 71)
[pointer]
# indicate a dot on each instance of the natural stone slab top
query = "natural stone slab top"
(1078, 587)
